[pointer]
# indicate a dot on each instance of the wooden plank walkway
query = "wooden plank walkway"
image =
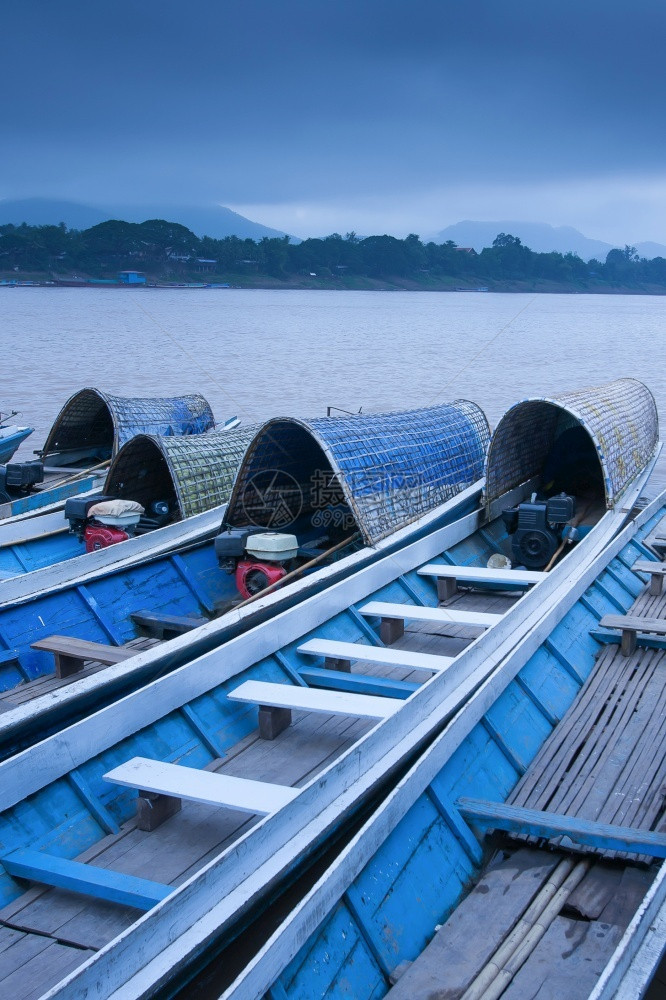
(606, 761)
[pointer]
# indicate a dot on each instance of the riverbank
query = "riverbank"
(349, 283)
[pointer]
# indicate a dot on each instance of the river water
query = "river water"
(261, 353)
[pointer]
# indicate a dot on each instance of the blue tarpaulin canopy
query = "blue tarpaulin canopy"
(614, 427)
(94, 420)
(376, 471)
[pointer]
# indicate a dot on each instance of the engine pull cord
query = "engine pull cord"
(564, 541)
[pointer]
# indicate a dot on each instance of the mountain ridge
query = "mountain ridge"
(213, 220)
(539, 237)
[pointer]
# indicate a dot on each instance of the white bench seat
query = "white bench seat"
(362, 706)
(194, 785)
(448, 577)
(348, 651)
(440, 616)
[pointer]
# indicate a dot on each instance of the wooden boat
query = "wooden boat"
(68, 804)
(522, 854)
(87, 433)
(170, 582)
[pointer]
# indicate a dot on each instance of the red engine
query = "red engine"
(100, 536)
(251, 576)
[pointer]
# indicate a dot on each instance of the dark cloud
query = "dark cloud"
(267, 101)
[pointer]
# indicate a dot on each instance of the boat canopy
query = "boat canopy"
(376, 472)
(191, 474)
(95, 421)
(596, 438)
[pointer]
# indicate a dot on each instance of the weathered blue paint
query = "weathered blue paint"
(39, 552)
(55, 494)
(186, 584)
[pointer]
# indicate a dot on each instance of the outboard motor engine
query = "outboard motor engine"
(268, 554)
(18, 478)
(538, 528)
(258, 557)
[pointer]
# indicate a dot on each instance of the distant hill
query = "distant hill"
(210, 220)
(538, 236)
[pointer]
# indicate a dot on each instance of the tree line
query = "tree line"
(168, 251)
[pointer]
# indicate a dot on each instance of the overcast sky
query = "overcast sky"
(368, 115)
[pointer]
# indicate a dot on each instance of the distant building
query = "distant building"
(132, 278)
(204, 265)
(466, 250)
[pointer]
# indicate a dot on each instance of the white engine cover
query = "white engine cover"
(272, 547)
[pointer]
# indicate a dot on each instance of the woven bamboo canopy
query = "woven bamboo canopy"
(192, 474)
(101, 423)
(612, 428)
(377, 472)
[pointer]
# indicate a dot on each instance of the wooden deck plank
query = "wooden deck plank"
(567, 961)
(605, 761)
(35, 974)
(458, 951)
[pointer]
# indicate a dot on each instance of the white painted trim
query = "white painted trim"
(440, 616)
(91, 565)
(387, 657)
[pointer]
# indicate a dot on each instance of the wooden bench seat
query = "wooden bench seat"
(631, 626)
(162, 626)
(276, 702)
(175, 783)
(393, 617)
(339, 656)
(70, 654)
(448, 577)
(657, 572)
(74, 876)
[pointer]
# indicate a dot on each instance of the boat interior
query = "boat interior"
(525, 859)
(170, 796)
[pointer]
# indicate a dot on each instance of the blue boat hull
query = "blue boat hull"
(10, 443)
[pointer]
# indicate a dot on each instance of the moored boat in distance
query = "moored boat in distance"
(86, 435)
(12, 437)
(70, 816)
